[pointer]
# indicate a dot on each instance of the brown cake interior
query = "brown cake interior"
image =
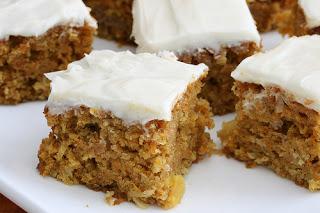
(265, 13)
(140, 164)
(273, 130)
(114, 19)
(286, 16)
(295, 23)
(24, 60)
(218, 84)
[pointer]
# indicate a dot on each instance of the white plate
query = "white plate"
(219, 184)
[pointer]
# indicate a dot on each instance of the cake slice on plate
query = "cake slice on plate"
(278, 122)
(36, 37)
(129, 125)
(218, 33)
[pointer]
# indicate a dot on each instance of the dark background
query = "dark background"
(6, 206)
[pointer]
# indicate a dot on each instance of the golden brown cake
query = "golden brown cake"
(134, 142)
(277, 120)
(114, 19)
(24, 60)
(300, 18)
(27, 52)
(221, 40)
(266, 13)
(289, 17)
(218, 84)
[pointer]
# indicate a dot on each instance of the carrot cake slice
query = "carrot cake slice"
(304, 18)
(114, 19)
(290, 17)
(36, 37)
(218, 33)
(277, 122)
(129, 125)
(266, 13)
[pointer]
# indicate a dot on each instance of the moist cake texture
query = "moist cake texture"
(303, 19)
(28, 49)
(220, 34)
(289, 17)
(277, 122)
(218, 83)
(129, 125)
(266, 13)
(114, 19)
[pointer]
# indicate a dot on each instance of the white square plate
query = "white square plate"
(217, 184)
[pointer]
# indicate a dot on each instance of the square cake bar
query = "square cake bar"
(129, 125)
(277, 122)
(218, 33)
(27, 51)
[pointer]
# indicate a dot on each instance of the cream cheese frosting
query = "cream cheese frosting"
(311, 10)
(188, 25)
(293, 66)
(136, 88)
(35, 17)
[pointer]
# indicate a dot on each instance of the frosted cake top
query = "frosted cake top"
(136, 88)
(294, 66)
(35, 17)
(188, 25)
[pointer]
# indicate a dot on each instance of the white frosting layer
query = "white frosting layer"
(187, 25)
(136, 88)
(294, 66)
(35, 17)
(311, 10)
